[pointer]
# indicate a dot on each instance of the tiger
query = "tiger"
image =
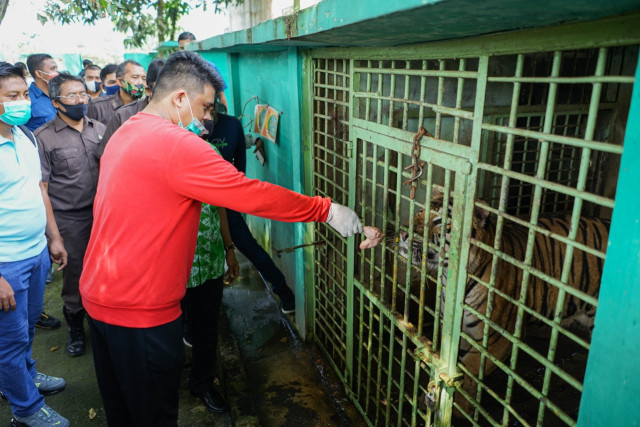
(548, 258)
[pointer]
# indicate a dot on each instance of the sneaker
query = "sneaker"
(48, 385)
(43, 418)
(48, 322)
(287, 300)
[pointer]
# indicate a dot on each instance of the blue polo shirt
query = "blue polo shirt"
(22, 213)
(42, 110)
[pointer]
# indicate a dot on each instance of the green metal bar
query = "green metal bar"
(549, 137)
(440, 98)
(459, 247)
(456, 123)
(435, 107)
(429, 73)
(521, 381)
(565, 80)
(387, 415)
(392, 91)
(526, 266)
(519, 344)
(575, 217)
(351, 144)
(481, 410)
(403, 364)
(309, 136)
(504, 188)
(575, 338)
(589, 197)
(535, 208)
(405, 105)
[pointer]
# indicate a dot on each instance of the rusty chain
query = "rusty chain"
(417, 165)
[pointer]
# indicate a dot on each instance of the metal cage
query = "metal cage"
(523, 129)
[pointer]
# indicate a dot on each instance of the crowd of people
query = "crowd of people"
(133, 182)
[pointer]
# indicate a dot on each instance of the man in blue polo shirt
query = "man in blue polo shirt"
(27, 224)
(43, 68)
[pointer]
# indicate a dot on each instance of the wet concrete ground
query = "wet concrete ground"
(268, 376)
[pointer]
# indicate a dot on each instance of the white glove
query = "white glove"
(344, 220)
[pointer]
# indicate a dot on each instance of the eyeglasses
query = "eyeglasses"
(75, 97)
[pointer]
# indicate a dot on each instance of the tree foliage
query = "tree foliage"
(3, 8)
(139, 19)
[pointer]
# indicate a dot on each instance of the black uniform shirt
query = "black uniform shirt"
(70, 162)
(103, 107)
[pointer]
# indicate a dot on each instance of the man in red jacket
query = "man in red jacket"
(154, 176)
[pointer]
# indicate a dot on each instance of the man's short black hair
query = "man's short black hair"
(122, 67)
(8, 71)
(186, 36)
(56, 83)
(21, 65)
(34, 62)
(86, 62)
(108, 69)
(93, 67)
(153, 70)
(186, 70)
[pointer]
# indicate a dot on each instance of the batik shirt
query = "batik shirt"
(208, 262)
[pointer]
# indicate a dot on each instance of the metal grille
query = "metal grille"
(331, 179)
(516, 138)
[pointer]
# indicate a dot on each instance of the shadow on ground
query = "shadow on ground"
(268, 376)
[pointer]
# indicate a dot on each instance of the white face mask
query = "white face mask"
(93, 86)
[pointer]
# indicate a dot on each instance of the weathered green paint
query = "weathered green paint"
(307, 150)
(385, 23)
(143, 58)
(613, 399)
(221, 61)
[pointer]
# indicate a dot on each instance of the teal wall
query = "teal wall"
(221, 61)
(612, 384)
(143, 58)
(275, 78)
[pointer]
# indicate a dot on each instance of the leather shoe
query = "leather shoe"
(213, 401)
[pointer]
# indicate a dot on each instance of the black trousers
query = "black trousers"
(247, 244)
(75, 229)
(201, 308)
(138, 371)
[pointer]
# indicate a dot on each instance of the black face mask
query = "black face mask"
(74, 112)
(209, 125)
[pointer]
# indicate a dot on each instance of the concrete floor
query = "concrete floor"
(268, 376)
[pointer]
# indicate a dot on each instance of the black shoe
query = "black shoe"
(48, 322)
(213, 401)
(287, 300)
(75, 338)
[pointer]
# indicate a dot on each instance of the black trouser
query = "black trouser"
(247, 244)
(138, 371)
(75, 229)
(201, 308)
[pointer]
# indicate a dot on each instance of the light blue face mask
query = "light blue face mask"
(195, 126)
(16, 113)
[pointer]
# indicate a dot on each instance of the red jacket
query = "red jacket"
(153, 177)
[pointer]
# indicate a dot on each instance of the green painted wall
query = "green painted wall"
(143, 58)
(276, 79)
(221, 61)
(612, 385)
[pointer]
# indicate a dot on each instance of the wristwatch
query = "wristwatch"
(229, 247)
